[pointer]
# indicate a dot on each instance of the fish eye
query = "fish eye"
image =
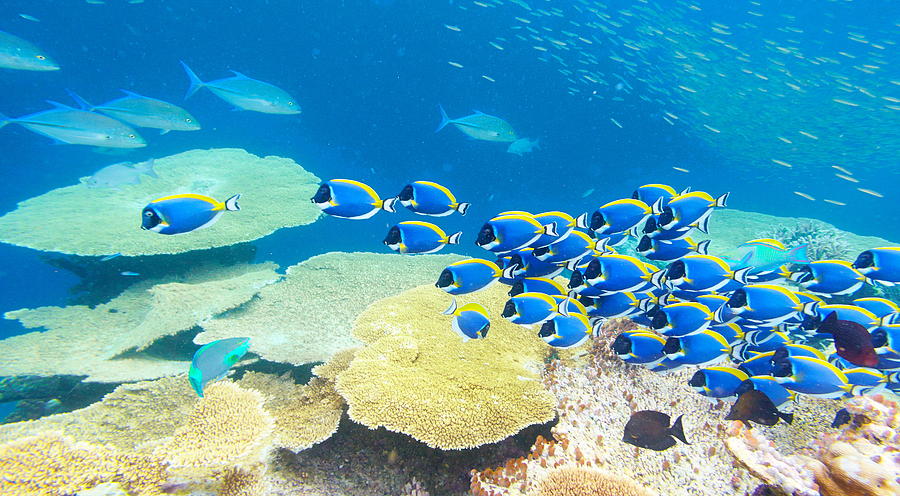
(148, 213)
(188, 120)
(131, 136)
(290, 103)
(41, 57)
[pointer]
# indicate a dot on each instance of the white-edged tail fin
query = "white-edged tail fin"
(658, 278)
(572, 264)
(463, 207)
(563, 307)
(232, 203)
(810, 308)
(550, 229)
(601, 245)
(721, 201)
(452, 308)
(582, 221)
(453, 239)
(389, 204)
(703, 247)
(596, 326)
(510, 272)
(740, 275)
(703, 224)
(657, 207)
(685, 191)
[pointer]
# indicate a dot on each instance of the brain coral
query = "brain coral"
(143, 313)
(417, 377)
(101, 221)
(307, 317)
(579, 481)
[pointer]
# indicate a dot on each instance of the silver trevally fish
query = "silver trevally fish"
(115, 175)
(16, 53)
(246, 93)
(78, 127)
(143, 111)
(481, 126)
(524, 145)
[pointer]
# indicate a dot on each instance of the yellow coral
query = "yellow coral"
(273, 192)
(248, 481)
(227, 427)
(416, 376)
(337, 364)
(304, 415)
(578, 481)
(53, 465)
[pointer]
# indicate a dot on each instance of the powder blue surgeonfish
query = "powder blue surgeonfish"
(142, 111)
(565, 225)
(468, 276)
(639, 347)
(213, 360)
(566, 331)
(810, 376)
(763, 304)
(701, 349)
(652, 193)
(575, 246)
(246, 93)
(16, 53)
(70, 126)
(511, 232)
(430, 198)
(480, 126)
(349, 199)
(881, 307)
(529, 308)
(414, 236)
(178, 214)
(619, 216)
(827, 277)
(689, 210)
(669, 250)
(523, 263)
(681, 319)
(537, 285)
(880, 265)
(699, 273)
(470, 321)
(718, 382)
(611, 273)
(621, 304)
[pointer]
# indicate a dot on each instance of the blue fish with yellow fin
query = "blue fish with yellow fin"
(699, 273)
(213, 361)
(529, 308)
(537, 285)
(826, 277)
(430, 198)
(880, 265)
(619, 216)
(762, 303)
(565, 225)
(566, 331)
(701, 349)
(689, 210)
(414, 236)
(717, 382)
(639, 347)
(349, 199)
(511, 232)
(470, 321)
(668, 250)
(652, 193)
(179, 214)
(468, 276)
(681, 319)
(881, 307)
(575, 246)
(810, 376)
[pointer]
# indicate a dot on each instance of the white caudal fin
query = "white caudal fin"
(582, 221)
(232, 203)
(563, 308)
(463, 207)
(389, 204)
(810, 308)
(510, 272)
(572, 264)
(657, 207)
(703, 247)
(658, 278)
(703, 224)
(453, 239)
(740, 275)
(722, 201)
(601, 245)
(452, 308)
(596, 326)
(550, 229)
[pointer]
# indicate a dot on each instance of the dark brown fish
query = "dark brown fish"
(650, 429)
(755, 406)
(851, 340)
(840, 418)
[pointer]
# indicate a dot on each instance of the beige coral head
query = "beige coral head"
(580, 481)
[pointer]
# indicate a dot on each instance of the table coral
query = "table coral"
(417, 377)
(142, 314)
(53, 465)
(274, 195)
(307, 317)
(580, 481)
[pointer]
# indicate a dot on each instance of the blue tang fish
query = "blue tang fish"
(413, 236)
(767, 384)
(178, 214)
(681, 319)
(523, 263)
(689, 210)
(511, 232)
(468, 276)
(653, 230)
(537, 285)
(641, 348)
(613, 273)
(566, 331)
(245, 93)
(668, 250)
(762, 303)
(565, 225)
(213, 361)
(480, 126)
(827, 277)
(529, 308)
(881, 307)
(575, 246)
(610, 306)
(810, 376)
(430, 198)
(717, 382)
(349, 199)
(652, 193)
(701, 349)
(470, 321)
(619, 216)
(699, 273)
(880, 265)
(767, 254)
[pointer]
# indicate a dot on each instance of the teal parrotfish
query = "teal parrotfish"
(350, 199)
(470, 321)
(213, 361)
(183, 213)
(71, 126)
(16, 53)
(142, 111)
(468, 276)
(481, 126)
(767, 254)
(430, 198)
(245, 93)
(413, 236)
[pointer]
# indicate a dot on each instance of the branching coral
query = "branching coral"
(249, 481)
(267, 185)
(53, 465)
(133, 320)
(307, 317)
(579, 481)
(825, 242)
(417, 377)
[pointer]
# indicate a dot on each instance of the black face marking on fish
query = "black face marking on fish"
(676, 270)
(635, 195)
(509, 309)
(149, 218)
(738, 299)
(517, 288)
(879, 338)
(406, 194)
(516, 261)
(484, 330)
(865, 260)
(660, 320)
(597, 220)
(666, 216)
(644, 245)
(323, 194)
(547, 329)
(593, 270)
(445, 279)
(393, 236)
(745, 385)
(650, 226)
(621, 345)
(537, 252)
(576, 280)
(673, 345)
(698, 379)
(811, 322)
(782, 367)
(804, 274)
(485, 235)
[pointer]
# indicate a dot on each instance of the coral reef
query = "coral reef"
(113, 226)
(759, 456)
(413, 488)
(239, 481)
(417, 377)
(580, 481)
(141, 315)
(307, 317)
(51, 465)
(825, 242)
